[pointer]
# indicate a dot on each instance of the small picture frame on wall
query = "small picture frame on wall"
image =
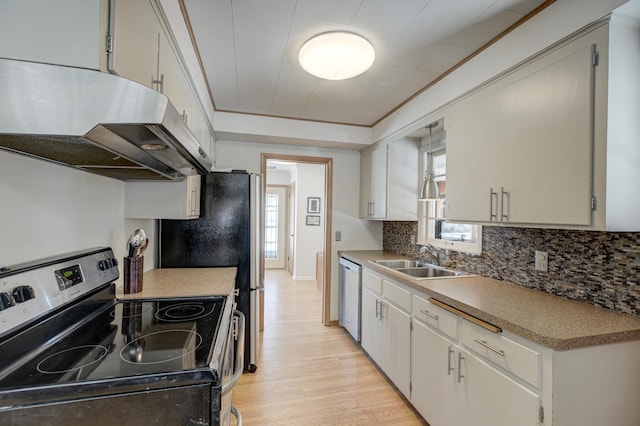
(313, 205)
(313, 220)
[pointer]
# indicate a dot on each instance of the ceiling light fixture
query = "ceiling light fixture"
(429, 190)
(336, 55)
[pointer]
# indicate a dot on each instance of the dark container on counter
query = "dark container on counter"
(133, 269)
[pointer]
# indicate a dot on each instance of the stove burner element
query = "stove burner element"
(183, 312)
(162, 346)
(72, 359)
(133, 310)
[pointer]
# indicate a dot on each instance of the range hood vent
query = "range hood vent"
(96, 122)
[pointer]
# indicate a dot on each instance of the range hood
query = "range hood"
(96, 122)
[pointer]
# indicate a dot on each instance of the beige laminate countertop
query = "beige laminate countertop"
(184, 282)
(548, 320)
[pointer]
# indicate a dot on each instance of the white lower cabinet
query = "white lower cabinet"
(433, 376)
(458, 372)
(386, 329)
(490, 398)
(451, 386)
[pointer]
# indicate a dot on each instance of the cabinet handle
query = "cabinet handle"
(430, 315)
(504, 217)
(449, 367)
(193, 202)
(160, 83)
(493, 217)
(460, 375)
(377, 308)
(382, 305)
(184, 116)
(488, 346)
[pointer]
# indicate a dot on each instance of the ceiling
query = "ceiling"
(248, 50)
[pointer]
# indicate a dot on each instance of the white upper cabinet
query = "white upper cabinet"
(163, 200)
(135, 41)
(519, 150)
(64, 32)
(551, 143)
(389, 181)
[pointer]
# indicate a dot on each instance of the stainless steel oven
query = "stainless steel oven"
(71, 354)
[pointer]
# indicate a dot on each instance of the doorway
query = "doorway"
(276, 209)
(318, 211)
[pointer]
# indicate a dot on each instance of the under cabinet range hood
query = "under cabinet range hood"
(96, 122)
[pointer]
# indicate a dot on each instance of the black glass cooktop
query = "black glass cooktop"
(118, 340)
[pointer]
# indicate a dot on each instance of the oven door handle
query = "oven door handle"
(239, 354)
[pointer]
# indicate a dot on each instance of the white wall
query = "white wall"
(49, 209)
(309, 238)
(279, 177)
(357, 234)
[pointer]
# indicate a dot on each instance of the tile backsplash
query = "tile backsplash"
(601, 268)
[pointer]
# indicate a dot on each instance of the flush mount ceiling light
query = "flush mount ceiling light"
(336, 55)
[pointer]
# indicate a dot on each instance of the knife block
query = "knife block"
(133, 270)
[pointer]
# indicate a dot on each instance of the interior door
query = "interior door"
(275, 227)
(291, 207)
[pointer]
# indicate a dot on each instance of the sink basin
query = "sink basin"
(429, 272)
(401, 263)
(418, 269)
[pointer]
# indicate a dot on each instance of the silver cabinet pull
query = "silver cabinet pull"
(159, 83)
(488, 346)
(430, 315)
(493, 217)
(382, 305)
(449, 367)
(504, 217)
(460, 375)
(377, 308)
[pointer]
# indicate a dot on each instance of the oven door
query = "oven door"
(232, 368)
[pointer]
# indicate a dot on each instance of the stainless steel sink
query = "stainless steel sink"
(429, 272)
(419, 269)
(401, 263)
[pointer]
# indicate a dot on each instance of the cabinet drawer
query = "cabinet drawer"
(397, 295)
(371, 281)
(515, 358)
(436, 317)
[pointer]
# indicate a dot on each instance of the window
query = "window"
(271, 226)
(433, 228)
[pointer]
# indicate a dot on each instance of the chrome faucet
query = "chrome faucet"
(434, 257)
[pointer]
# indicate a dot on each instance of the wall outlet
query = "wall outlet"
(338, 235)
(542, 261)
(413, 240)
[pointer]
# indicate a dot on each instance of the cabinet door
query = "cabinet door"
(64, 32)
(396, 349)
(493, 399)
(433, 376)
(365, 185)
(136, 34)
(371, 325)
(530, 134)
(402, 180)
(175, 83)
(379, 181)
(149, 200)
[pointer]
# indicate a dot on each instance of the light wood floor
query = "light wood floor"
(309, 374)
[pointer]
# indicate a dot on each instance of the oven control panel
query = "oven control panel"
(30, 290)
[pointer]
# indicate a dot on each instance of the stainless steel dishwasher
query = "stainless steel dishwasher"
(349, 298)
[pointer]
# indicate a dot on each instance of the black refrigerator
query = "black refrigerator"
(227, 233)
